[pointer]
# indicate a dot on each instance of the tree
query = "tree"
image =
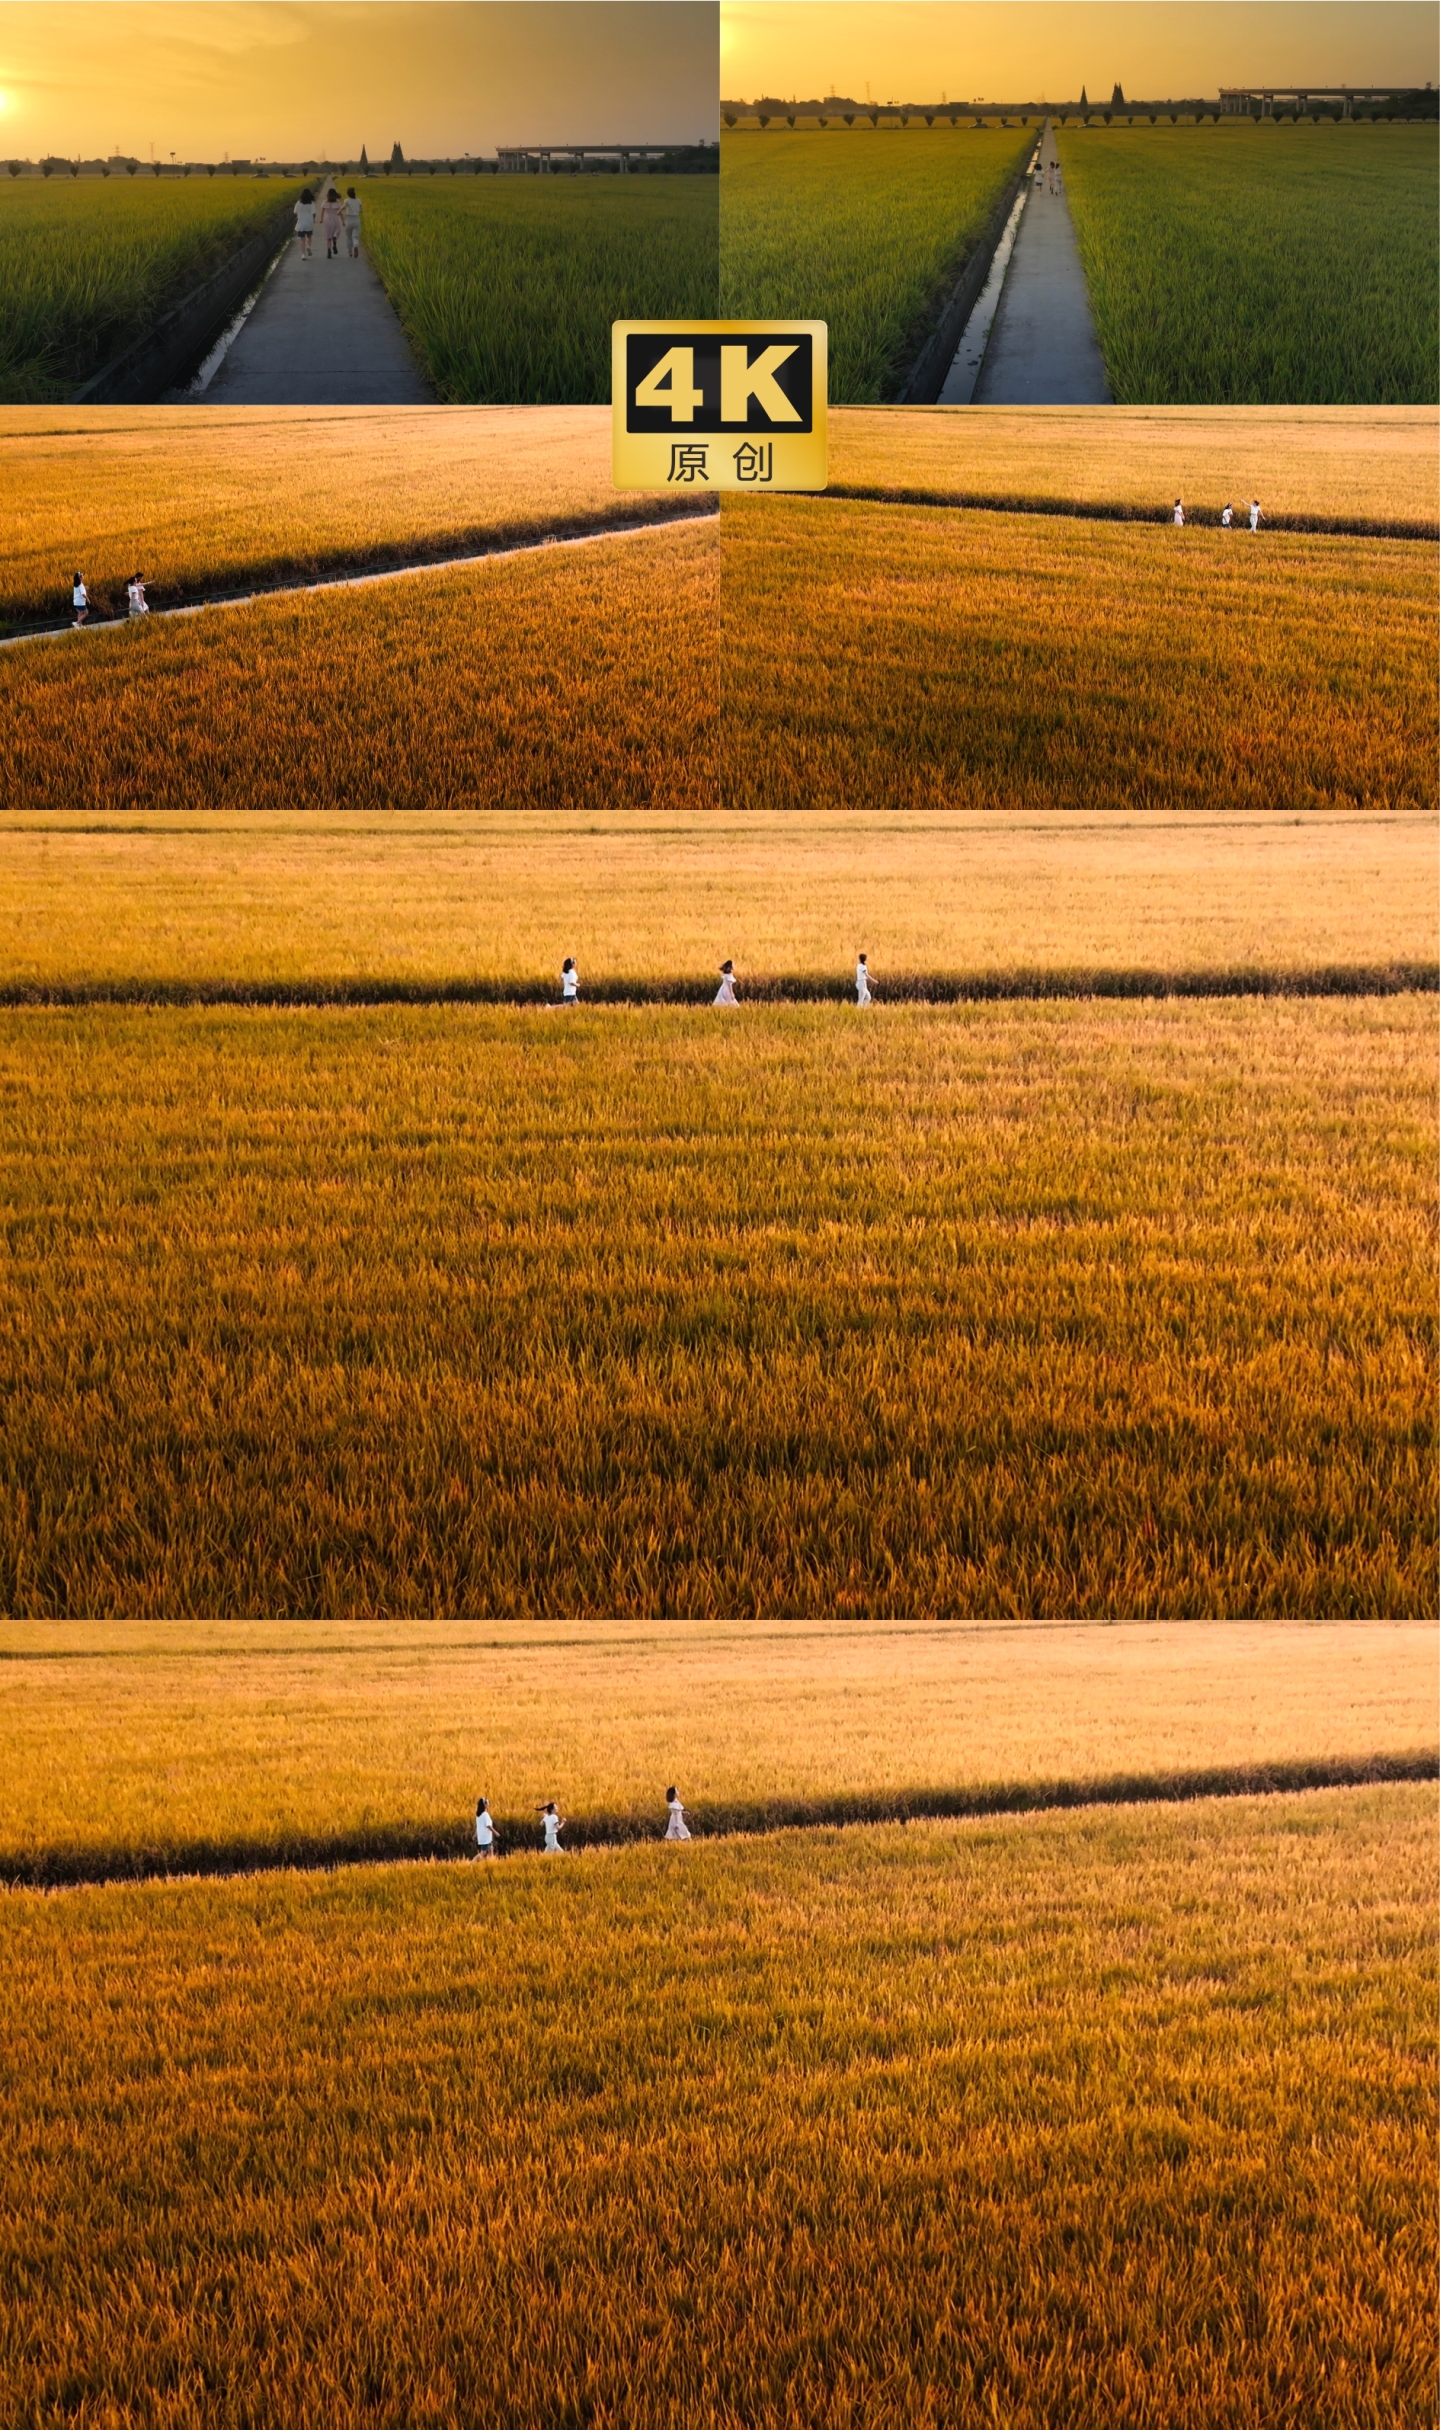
(729, 118)
(764, 118)
(15, 169)
(397, 157)
(1117, 99)
(364, 161)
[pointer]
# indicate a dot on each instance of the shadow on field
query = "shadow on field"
(65, 1868)
(904, 987)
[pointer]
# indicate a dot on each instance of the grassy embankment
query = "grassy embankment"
(555, 678)
(507, 286)
(85, 266)
(205, 498)
(864, 231)
(1245, 265)
(643, 900)
(1038, 1310)
(354, 1740)
(1079, 2119)
(906, 655)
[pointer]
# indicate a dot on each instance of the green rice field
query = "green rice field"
(507, 286)
(1261, 265)
(87, 264)
(860, 229)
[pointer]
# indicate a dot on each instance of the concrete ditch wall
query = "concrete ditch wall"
(167, 353)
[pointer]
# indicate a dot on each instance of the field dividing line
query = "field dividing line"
(399, 1844)
(388, 573)
(982, 502)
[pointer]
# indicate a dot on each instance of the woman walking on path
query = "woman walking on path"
(862, 981)
(331, 221)
(135, 593)
(484, 1829)
(1228, 517)
(1254, 514)
(675, 1827)
(554, 1825)
(305, 222)
(1179, 515)
(726, 993)
(569, 981)
(352, 223)
(80, 601)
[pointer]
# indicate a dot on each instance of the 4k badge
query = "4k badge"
(714, 405)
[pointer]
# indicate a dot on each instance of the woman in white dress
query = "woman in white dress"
(305, 222)
(80, 600)
(135, 593)
(675, 1828)
(726, 993)
(862, 981)
(554, 1825)
(484, 1829)
(1179, 514)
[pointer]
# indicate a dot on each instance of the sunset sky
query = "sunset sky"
(309, 78)
(1035, 49)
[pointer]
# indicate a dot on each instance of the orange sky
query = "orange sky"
(307, 78)
(1025, 50)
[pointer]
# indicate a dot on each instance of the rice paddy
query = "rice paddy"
(205, 498)
(158, 899)
(1251, 265)
(87, 265)
(362, 1739)
(1334, 463)
(1074, 2119)
(507, 286)
(1040, 1310)
(543, 680)
(918, 656)
(864, 231)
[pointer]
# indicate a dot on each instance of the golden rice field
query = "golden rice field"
(544, 680)
(651, 896)
(924, 657)
(214, 497)
(1079, 2119)
(866, 233)
(334, 1739)
(1376, 463)
(1036, 1310)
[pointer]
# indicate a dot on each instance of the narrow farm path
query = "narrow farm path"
(323, 333)
(64, 1869)
(385, 573)
(1042, 348)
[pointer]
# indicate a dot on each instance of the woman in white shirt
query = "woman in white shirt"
(569, 981)
(484, 1829)
(352, 222)
(80, 600)
(554, 1825)
(862, 981)
(675, 1827)
(1179, 515)
(305, 222)
(135, 593)
(726, 994)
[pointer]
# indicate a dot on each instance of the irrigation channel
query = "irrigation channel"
(386, 573)
(398, 1843)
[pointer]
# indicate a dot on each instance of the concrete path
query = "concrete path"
(323, 333)
(1043, 349)
(359, 582)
